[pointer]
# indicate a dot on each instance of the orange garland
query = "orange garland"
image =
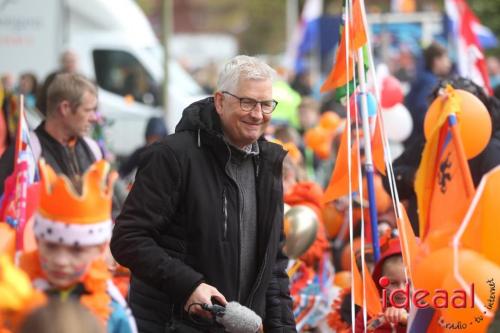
(94, 281)
(334, 319)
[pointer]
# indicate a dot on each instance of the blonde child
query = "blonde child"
(72, 232)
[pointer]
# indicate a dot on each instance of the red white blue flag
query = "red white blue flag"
(311, 12)
(471, 62)
(14, 207)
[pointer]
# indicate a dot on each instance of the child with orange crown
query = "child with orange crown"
(72, 232)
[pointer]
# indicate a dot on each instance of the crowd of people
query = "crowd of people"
(205, 216)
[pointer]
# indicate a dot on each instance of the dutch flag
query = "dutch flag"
(464, 28)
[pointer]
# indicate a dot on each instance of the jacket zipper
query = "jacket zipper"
(261, 272)
(259, 280)
(238, 216)
(224, 210)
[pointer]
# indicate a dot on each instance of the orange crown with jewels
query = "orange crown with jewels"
(59, 200)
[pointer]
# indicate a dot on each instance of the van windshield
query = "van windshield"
(121, 73)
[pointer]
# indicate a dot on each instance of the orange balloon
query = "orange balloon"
(345, 257)
(342, 279)
(333, 219)
(319, 140)
(329, 120)
(474, 121)
(324, 150)
(313, 137)
(432, 270)
(439, 238)
(356, 216)
(485, 276)
(382, 198)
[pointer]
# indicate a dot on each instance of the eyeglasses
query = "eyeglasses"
(248, 104)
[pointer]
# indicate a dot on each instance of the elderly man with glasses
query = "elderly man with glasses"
(203, 222)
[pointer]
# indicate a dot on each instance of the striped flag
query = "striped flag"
(311, 12)
(17, 198)
(485, 36)
(470, 60)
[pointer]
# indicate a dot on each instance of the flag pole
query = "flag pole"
(368, 163)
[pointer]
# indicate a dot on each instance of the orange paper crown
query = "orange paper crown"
(67, 217)
(59, 201)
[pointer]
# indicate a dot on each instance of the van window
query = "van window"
(121, 73)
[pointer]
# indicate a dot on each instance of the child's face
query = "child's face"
(64, 265)
(394, 270)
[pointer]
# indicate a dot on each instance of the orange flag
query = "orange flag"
(339, 75)
(409, 244)
(358, 30)
(482, 232)
(443, 182)
(378, 147)
(339, 183)
(372, 297)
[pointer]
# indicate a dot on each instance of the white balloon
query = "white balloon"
(397, 122)
(286, 208)
(397, 149)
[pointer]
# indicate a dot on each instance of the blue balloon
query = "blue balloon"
(371, 103)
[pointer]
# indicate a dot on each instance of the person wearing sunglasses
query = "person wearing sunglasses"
(203, 221)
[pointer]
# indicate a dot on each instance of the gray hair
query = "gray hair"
(243, 67)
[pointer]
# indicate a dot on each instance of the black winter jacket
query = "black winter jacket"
(179, 226)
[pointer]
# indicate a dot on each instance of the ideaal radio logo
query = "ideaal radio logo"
(440, 299)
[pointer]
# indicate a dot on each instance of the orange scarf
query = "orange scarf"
(94, 281)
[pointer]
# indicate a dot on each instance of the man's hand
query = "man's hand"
(395, 315)
(203, 295)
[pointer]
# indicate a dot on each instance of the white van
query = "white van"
(116, 47)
